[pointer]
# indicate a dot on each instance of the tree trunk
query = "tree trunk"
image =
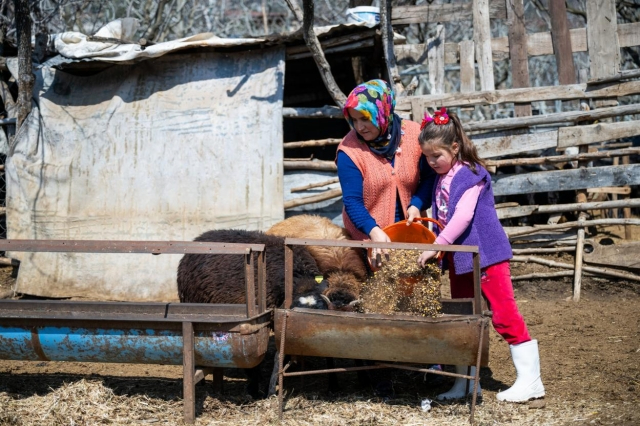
(25, 78)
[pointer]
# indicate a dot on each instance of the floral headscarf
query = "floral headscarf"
(374, 99)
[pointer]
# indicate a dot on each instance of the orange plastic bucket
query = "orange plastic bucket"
(399, 232)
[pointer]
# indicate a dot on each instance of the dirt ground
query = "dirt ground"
(590, 356)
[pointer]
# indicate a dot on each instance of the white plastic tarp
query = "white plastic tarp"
(161, 150)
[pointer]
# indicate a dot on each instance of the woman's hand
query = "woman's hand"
(412, 213)
(379, 236)
(425, 257)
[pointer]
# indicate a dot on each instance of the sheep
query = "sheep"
(204, 278)
(344, 268)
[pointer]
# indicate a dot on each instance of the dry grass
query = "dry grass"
(86, 402)
(90, 402)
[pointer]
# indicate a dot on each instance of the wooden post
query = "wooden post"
(25, 67)
(188, 373)
(577, 277)
(467, 66)
(482, 39)
(561, 40)
(435, 55)
(626, 211)
(518, 52)
(602, 42)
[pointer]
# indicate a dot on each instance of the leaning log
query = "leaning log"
(327, 195)
(315, 185)
(327, 166)
(326, 111)
(25, 65)
(318, 55)
(575, 224)
(600, 271)
(314, 143)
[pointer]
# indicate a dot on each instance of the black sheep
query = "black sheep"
(205, 278)
(220, 278)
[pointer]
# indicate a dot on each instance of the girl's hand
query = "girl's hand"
(379, 236)
(425, 257)
(412, 214)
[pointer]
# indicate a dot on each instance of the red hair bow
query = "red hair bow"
(439, 117)
(426, 120)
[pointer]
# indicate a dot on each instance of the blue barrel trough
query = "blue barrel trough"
(137, 333)
(203, 338)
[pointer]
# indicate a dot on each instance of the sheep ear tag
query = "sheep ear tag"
(319, 278)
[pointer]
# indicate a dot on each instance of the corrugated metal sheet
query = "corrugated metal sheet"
(161, 150)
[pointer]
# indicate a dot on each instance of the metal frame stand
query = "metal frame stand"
(483, 322)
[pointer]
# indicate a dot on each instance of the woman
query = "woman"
(382, 172)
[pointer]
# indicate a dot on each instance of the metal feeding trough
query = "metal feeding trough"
(459, 336)
(204, 338)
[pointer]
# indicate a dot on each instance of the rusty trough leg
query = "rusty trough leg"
(280, 369)
(481, 325)
(188, 373)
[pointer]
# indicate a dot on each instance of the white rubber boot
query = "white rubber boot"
(528, 385)
(460, 385)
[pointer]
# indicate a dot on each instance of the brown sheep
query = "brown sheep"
(344, 268)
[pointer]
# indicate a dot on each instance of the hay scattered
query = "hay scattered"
(87, 402)
(402, 286)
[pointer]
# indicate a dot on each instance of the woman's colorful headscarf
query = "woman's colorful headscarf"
(374, 99)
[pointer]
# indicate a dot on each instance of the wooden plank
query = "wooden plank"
(561, 117)
(435, 54)
(601, 132)
(508, 144)
(467, 66)
(458, 11)
(564, 180)
(561, 41)
(602, 38)
(623, 255)
(482, 40)
(624, 190)
(629, 34)
(520, 211)
(518, 52)
(622, 75)
(538, 44)
(411, 54)
(592, 155)
(529, 94)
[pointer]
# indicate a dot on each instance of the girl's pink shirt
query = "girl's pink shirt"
(465, 208)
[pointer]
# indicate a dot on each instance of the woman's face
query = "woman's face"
(439, 157)
(363, 126)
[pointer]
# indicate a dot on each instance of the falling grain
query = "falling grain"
(402, 286)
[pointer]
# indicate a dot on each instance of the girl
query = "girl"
(463, 202)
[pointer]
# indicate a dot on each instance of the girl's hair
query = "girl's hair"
(446, 134)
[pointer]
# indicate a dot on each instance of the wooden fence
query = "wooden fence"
(606, 111)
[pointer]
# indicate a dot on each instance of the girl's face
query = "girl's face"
(439, 157)
(363, 126)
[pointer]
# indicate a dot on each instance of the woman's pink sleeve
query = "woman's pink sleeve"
(461, 217)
